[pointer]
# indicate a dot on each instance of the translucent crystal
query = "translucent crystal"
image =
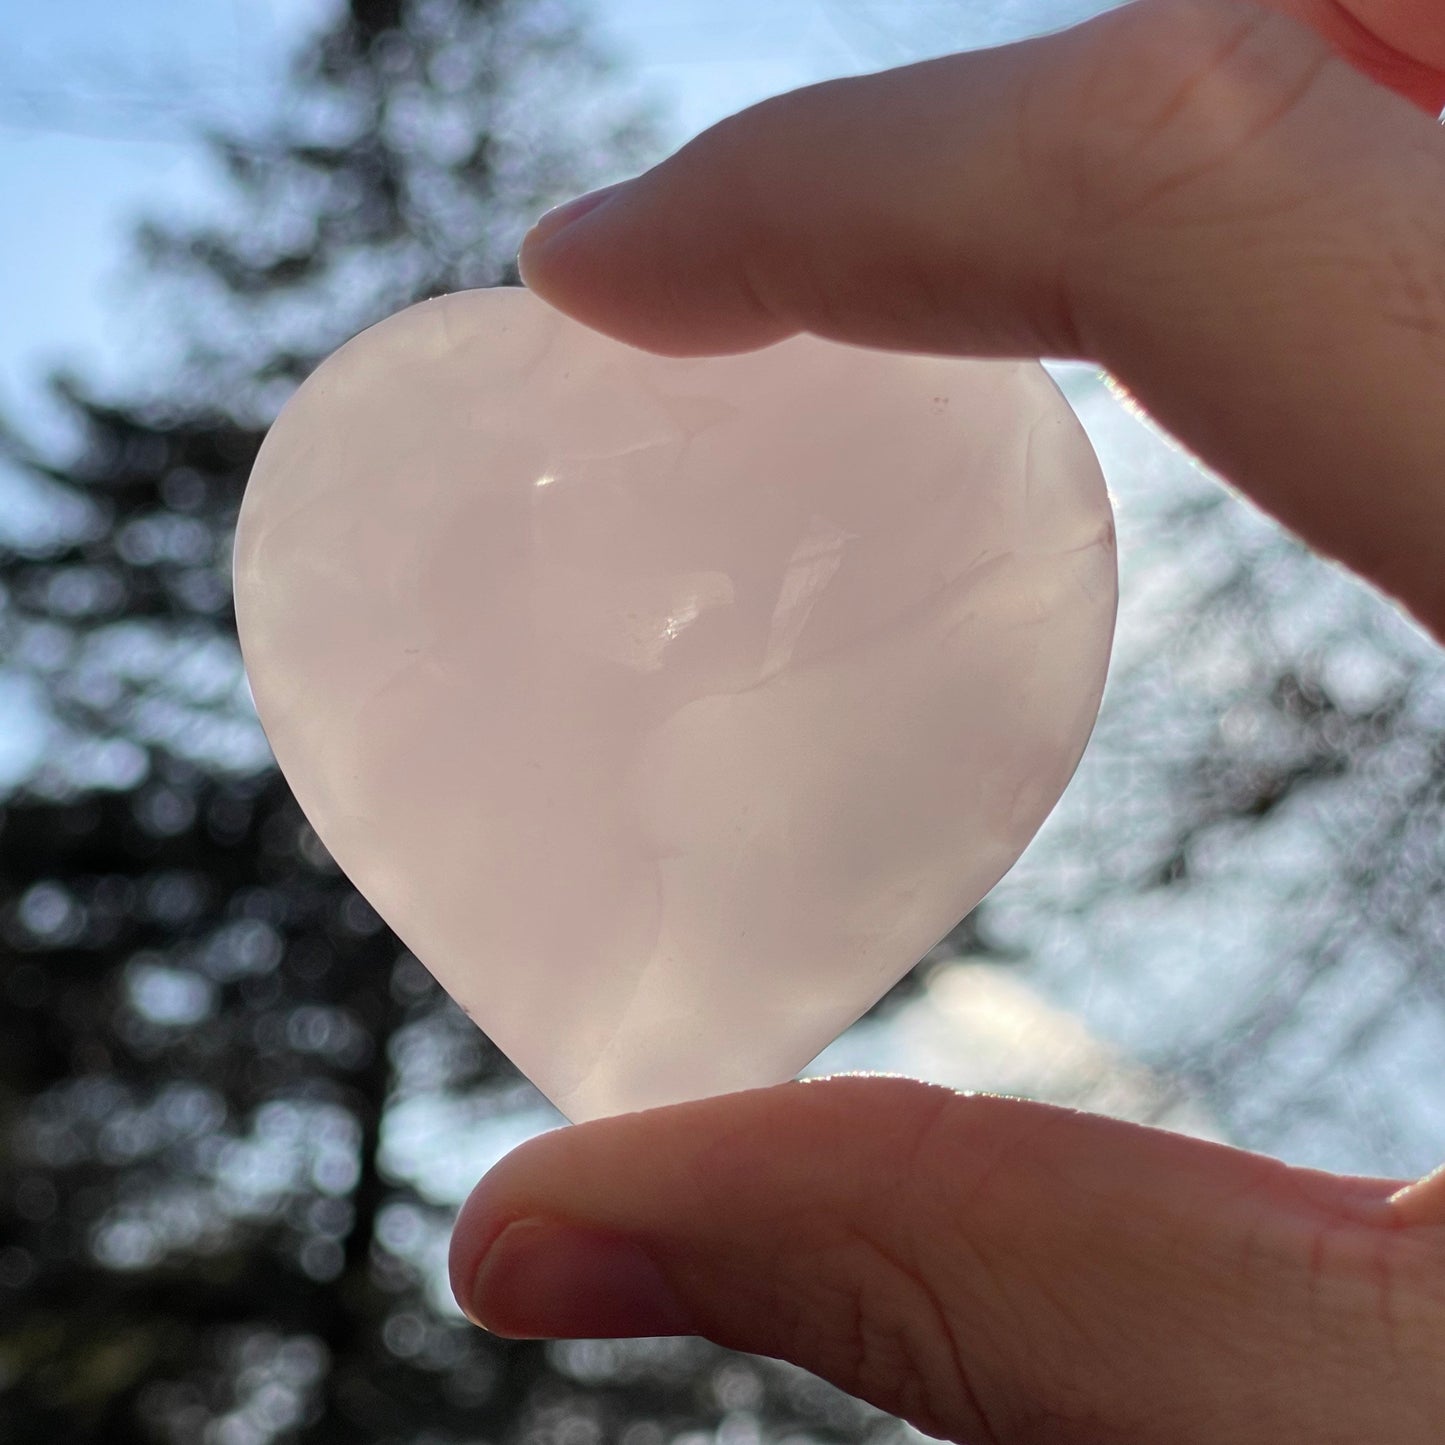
(670, 710)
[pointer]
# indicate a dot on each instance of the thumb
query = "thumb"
(988, 1269)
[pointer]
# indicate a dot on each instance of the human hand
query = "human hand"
(994, 1271)
(1248, 233)
(1251, 236)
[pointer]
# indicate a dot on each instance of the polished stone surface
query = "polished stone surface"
(670, 710)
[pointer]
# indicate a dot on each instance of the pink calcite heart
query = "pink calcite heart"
(670, 710)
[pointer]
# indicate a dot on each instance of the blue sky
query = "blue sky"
(99, 106)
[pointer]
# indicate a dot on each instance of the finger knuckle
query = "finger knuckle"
(894, 1341)
(1378, 1295)
(1161, 99)
(750, 158)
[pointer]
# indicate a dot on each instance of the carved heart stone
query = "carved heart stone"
(670, 710)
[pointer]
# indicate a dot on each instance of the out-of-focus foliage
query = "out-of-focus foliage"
(1246, 887)
(420, 137)
(213, 1056)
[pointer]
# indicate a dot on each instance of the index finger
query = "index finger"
(1197, 194)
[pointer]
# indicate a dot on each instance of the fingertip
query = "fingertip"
(555, 221)
(609, 281)
(476, 1229)
(648, 263)
(1422, 1203)
(505, 1194)
(541, 245)
(547, 1278)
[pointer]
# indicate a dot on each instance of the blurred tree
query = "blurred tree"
(1246, 886)
(206, 1034)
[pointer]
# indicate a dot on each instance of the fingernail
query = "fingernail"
(543, 1280)
(560, 217)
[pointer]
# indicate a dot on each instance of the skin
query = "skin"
(1241, 214)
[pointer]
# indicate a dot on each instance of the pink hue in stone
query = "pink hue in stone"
(670, 710)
